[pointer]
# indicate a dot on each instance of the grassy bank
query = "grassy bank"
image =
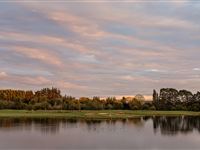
(104, 114)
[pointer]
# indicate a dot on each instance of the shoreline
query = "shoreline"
(92, 114)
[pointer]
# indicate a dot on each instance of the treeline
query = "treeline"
(51, 99)
(172, 99)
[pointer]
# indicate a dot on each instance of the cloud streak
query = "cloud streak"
(38, 54)
(101, 49)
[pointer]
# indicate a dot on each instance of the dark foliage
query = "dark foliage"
(51, 99)
(172, 99)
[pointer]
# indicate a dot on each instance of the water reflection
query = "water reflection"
(164, 125)
(175, 125)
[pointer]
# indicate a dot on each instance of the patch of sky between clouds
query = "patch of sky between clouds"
(196, 69)
(21, 19)
(29, 72)
(156, 70)
(119, 28)
(86, 58)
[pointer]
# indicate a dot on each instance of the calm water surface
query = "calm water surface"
(152, 133)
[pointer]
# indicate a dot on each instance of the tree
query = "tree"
(168, 99)
(135, 104)
(155, 99)
(194, 104)
(125, 102)
(185, 96)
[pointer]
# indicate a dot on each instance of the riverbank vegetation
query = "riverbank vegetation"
(172, 99)
(92, 114)
(51, 99)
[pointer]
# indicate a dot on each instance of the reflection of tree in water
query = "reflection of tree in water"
(137, 122)
(52, 125)
(167, 125)
(93, 125)
(44, 125)
(113, 124)
(175, 125)
(47, 125)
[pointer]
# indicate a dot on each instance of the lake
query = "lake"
(152, 133)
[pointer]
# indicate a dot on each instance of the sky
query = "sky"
(100, 48)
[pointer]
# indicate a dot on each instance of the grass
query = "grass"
(93, 114)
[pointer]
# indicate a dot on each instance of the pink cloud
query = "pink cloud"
(39, 54)
(3, 75)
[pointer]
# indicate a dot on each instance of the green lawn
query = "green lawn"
(103, 114)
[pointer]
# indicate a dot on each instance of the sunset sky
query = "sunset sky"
(100, 48)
